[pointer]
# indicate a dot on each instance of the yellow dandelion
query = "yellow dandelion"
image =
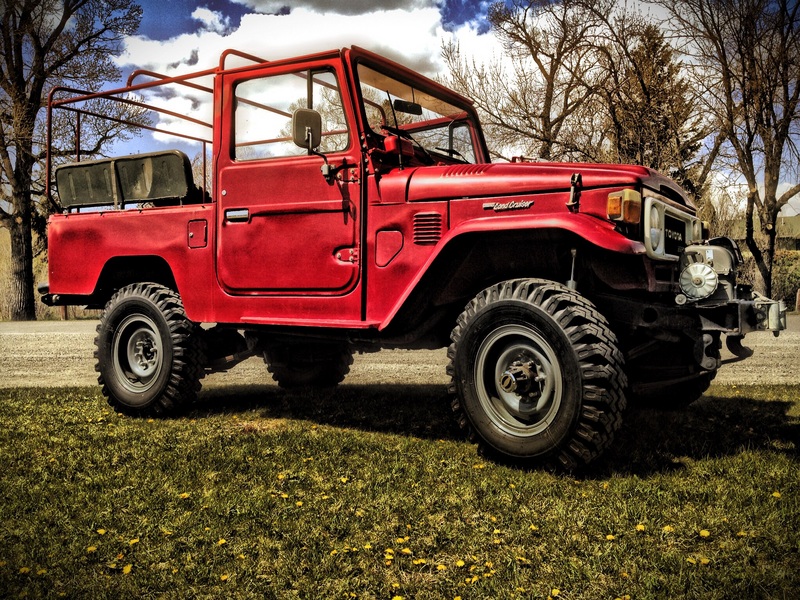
(691, 561)
(395, 586)
(41, 571)
(389, 551)
(460, 563)
(133, 541)
(406, 551)
(704, 533)
(224, 577)
(397, 598)
(776, 494)
(610, 537)
(343, 479)
(441, 567)
(240, 556)
(419, 561)
(127, 569)
(284, 495)
(555, 592)
(184, 495)
(299, 503)
(640, 527)
(704, 561)
(496, 532)
(367, 546)
(91, 549)
(533, 528)
(741, 533)
(668, 529)
(334, 552)
(222, 542)
(101, 532)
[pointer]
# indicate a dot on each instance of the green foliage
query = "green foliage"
(368, 492)
(785, 275)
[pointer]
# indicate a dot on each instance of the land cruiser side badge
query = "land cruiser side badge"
(504, 206)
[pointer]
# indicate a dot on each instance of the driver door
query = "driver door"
(283, 229)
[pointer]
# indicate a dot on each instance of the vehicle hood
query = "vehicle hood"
(417, 184)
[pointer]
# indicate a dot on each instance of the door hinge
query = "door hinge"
(347, 255)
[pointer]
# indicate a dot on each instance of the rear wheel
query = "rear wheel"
(536, 374)
(308, 365)
(149, 355)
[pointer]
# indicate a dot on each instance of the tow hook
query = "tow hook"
(734, 345)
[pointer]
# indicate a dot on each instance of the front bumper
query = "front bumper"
(707, 280)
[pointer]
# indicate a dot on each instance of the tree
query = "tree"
(747, 58)
(44, 43)
(553, 73)
(588, 82)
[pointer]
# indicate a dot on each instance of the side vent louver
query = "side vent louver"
(427, 228)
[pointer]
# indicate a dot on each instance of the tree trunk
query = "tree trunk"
(22, 301)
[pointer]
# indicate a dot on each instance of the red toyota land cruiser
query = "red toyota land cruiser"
(352, 207)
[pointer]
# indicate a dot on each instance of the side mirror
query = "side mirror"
(307, 128)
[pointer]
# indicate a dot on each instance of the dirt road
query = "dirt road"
(59, 353)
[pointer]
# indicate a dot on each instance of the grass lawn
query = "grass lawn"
(370, 492)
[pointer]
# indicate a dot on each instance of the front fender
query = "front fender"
(591, 230)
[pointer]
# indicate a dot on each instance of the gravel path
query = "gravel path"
(59, 353)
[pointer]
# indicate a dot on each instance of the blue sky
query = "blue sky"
(165, 19)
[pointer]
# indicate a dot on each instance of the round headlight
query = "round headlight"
(655, 228)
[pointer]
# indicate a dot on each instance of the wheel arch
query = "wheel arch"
(120, 271)
(473, 260)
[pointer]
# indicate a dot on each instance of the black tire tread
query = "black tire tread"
(187, 367)
(600, 360)
(299, 366)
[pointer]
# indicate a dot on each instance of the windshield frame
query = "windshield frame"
(423, 91)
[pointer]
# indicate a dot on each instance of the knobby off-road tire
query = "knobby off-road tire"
(672, 396)
(149, 354)
(308, 365)
(668, 377)
(537, 376)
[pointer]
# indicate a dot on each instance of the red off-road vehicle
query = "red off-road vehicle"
(353, 207)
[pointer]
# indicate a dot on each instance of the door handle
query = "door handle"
(237, 215)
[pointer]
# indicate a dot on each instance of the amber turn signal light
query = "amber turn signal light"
(625, 206)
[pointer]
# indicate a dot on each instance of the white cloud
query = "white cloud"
(410, 37)
(212, 20)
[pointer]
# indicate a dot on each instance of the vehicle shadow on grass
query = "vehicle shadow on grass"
(721, 423)
(417, 410)
(717, 425)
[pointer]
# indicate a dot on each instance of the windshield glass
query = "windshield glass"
(440, 130)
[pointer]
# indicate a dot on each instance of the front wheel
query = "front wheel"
(536, 374)
(149, 355)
